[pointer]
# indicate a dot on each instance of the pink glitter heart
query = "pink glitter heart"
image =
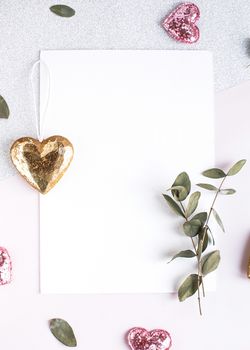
(5, 266)
(141, 339)
(180, 23)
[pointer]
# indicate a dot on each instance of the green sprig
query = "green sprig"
(196, 227)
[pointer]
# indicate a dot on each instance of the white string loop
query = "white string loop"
(40, 117)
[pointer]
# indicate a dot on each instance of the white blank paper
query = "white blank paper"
(136, 119)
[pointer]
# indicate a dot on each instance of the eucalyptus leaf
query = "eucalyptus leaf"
(192, 203)
(4, 109)
(188, 287)
(184, 254)
(179, 193)
(211, 262)
(214, 173)
(173, 205)
(236, 167)
(207, 187)
(211, 236)
(201, 216)
(191, 228)
(218, 219)
(203, 241)
(184, 181)
(62, 10)
(63, 332)
(227, 191)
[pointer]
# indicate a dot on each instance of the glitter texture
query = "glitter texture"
(42, 164)
(180, 23)
(141, 339)
(5, 267)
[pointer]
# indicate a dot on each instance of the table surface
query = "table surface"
(101, 321)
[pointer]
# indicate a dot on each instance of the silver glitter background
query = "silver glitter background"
(27, 26)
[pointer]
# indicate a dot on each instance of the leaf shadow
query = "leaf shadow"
(245, 257)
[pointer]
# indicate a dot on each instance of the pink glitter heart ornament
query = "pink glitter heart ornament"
(5, 267)
(180, 24)
(156, 339)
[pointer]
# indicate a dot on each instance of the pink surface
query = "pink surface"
(102, 321)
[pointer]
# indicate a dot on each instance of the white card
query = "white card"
(136, 119)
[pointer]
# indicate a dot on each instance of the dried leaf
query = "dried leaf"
(214, 173)
(184, 181)
(192, 203)
(236, 167)
(211, 262)
(62, 10)
(201, 216)
(218, 219)
(63, 332)
(173, 205)
(227, 191)
(188, 287)
(4, 109)
(207, 187)
(184, 254)
(192, 227)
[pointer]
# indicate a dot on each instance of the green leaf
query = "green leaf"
(192, 203)
(214, 173)
(227, 191)
(192, 227)
(207, 187)
(218, 219)
(179, 192)
(62, 10)
(4, 109)
(203, 241)
(211, 237)
(173, 205)
(211, 262)
(236, 167)
(188, 287)
(201, 216)
(183, 181)
(63, 332)
(184, 254)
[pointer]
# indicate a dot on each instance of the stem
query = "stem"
(199, 296)
(203, 289)
(200, 279)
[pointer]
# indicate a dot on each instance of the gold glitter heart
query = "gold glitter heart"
(42, 164)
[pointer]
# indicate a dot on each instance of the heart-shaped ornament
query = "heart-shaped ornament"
(5, 266)
(180, 24)
(141, 339)
(42, 164)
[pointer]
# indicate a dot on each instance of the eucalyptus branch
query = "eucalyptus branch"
(196, 226)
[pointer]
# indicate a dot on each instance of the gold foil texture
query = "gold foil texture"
(42, 164)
